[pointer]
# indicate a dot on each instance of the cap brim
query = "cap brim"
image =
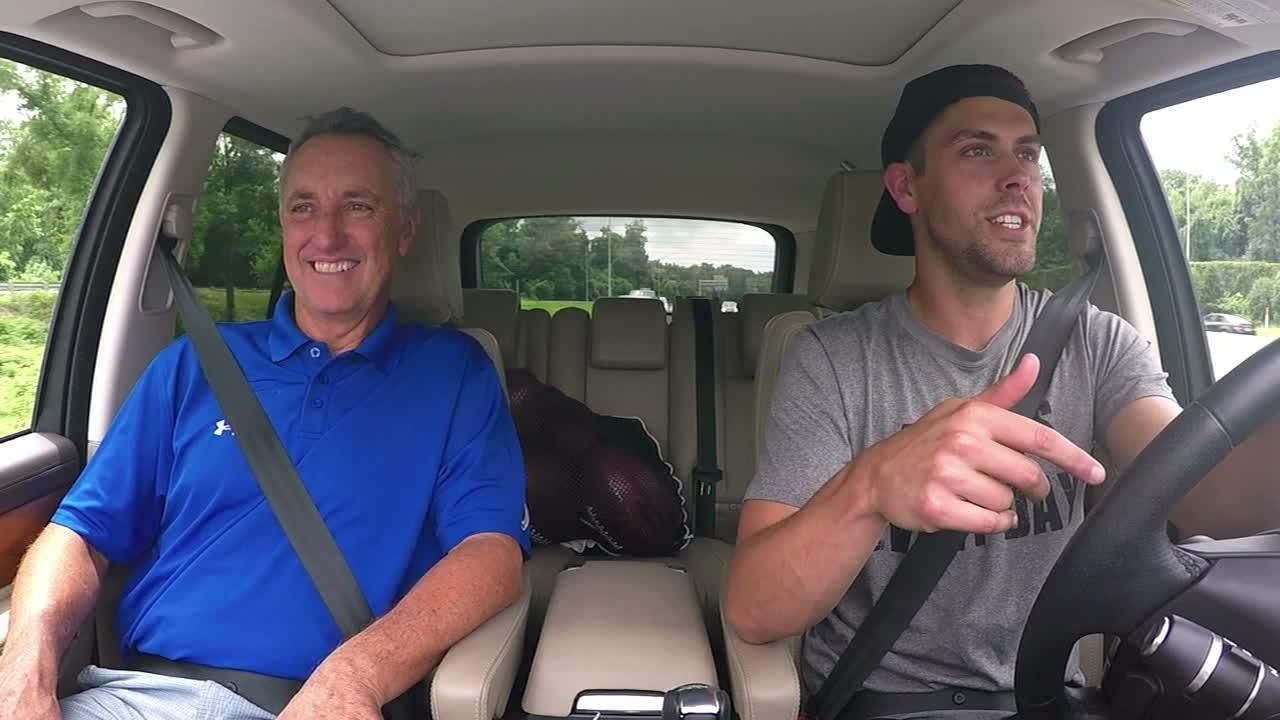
(891, 229)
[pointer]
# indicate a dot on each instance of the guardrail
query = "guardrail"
(19, 287)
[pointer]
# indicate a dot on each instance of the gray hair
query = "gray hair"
(345, 121)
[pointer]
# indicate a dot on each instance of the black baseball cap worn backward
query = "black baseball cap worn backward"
(923, 101)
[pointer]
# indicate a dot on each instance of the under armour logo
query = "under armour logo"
(222, 427)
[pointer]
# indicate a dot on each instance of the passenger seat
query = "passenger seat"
(475, 679)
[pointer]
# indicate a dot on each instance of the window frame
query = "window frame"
(66, 372)
(1180, 332)
(784, 256)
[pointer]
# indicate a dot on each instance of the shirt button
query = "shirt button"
(315, 352)
(317, 403)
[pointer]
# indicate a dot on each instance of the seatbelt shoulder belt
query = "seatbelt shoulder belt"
(706, 471)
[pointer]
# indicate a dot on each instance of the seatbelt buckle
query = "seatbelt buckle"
(706, 480)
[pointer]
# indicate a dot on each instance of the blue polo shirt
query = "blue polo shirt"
(405, 444)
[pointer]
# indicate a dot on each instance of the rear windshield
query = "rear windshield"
(554, 262)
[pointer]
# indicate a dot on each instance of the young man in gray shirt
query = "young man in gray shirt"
(895, 418)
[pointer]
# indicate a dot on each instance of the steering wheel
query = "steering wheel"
(1120, 569)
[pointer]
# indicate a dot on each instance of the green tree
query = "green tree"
(50, 160)
(1216, 231)
(236, 242)
(1051, 243)
(1258, 161)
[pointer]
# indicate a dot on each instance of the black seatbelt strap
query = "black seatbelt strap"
(283, 488)
(706, 470)
(931, 553)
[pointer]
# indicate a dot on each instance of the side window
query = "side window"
(1223, 193)
(1053, 262)
(235, 249)
(54, 136)
(555, 262)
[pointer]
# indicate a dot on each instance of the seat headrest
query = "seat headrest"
(756, 310)
(426, 284)
(846, 271)
(495, 310)
(628, 334)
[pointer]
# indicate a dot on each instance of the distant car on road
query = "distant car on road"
(1222, 322)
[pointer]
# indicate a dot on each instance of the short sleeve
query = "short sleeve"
(117, 502)
(806, 438)
(1126, 368)
(481, 486)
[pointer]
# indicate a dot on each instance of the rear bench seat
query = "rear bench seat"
(523, 336)
(617, 361)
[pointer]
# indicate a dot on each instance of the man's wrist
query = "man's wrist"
(857, 496)
(35, 657)
(345, 668)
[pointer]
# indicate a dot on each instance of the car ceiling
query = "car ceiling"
(721, 108)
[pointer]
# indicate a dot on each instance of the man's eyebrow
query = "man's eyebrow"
(971, 134)
(988, 136)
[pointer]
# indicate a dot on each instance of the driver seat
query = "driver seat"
(845, 272)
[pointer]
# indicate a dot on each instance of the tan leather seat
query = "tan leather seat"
(742, 337)
(475, 678)
(846, 272)
(524, 336)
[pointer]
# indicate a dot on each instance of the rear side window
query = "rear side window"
(1053, 260)
(555, 262)
(54, 136)
(235, 247)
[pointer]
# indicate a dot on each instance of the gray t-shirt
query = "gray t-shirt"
(852, 380)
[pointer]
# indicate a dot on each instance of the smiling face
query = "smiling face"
(343, 227)
(976, 199)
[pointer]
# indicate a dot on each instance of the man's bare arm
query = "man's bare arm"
(1225, 503)
(56, 589)
(791, 566)
(475, 581)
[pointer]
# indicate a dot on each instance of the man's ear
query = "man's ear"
(900, 181)
(409, 230)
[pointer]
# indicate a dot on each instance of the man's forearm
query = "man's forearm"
(56, 588)
(789, 576)
(474, 582)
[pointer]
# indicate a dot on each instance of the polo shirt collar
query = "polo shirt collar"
(286, 338)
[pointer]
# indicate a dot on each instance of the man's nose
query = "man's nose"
(1014, 175)
(328, 230)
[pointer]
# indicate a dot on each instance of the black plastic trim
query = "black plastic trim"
(62, 397)
(255, 133)
(1183, 345)
(784, 256)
